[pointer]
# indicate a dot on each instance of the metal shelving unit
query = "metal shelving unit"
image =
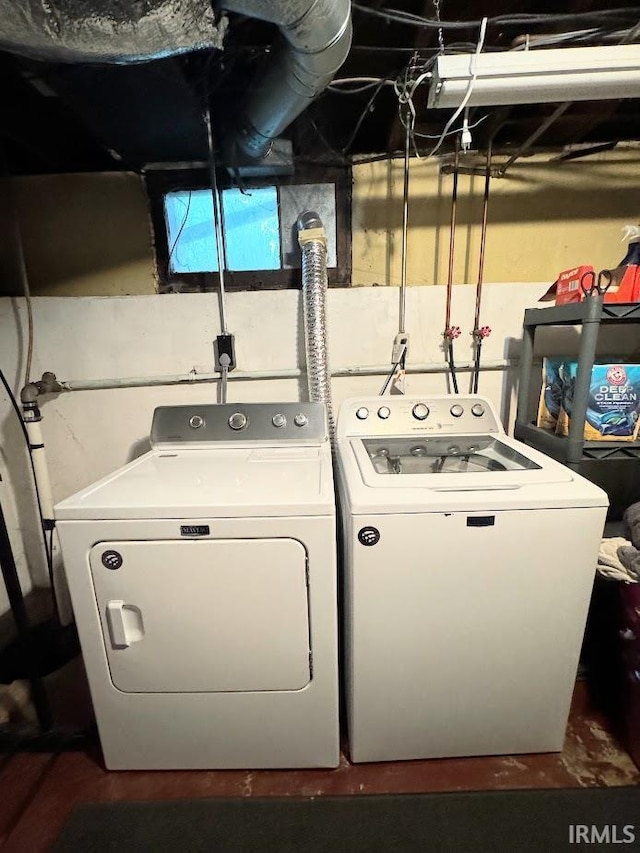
(594, 459)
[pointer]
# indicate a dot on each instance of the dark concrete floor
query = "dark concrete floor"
(38, 791)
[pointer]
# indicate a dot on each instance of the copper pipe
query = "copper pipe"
(452, 239)
(483, 238)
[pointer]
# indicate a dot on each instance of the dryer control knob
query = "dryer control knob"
(363, 413)
(477, 409)
(238, 420)
(384, 412)
(279, 420)
(420, 412)
(301, 419)
(456, 410)
(196, 421)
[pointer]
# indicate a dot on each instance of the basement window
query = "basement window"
(259, 230)
(251, 230)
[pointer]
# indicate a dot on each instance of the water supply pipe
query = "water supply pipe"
(313, 245)
(479, 333)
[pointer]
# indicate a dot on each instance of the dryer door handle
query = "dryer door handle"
(125, 624)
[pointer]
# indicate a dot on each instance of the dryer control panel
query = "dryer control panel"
(445, 415)
(271, 423)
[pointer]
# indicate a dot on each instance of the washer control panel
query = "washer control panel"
(303, 423)
(450, 415)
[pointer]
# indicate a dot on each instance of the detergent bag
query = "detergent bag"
(613, 407)
(551, 394)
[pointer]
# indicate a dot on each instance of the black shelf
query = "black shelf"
(591, 310)
(557, 446)
(613, 465)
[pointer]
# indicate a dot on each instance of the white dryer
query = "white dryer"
(469, 560)
(203, 582)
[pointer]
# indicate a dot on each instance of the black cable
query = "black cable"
(390, 376)
(363, 115)
(384, 48)
(452, 367)
(184, 222)
(47, 550)
(335, 89)
(16, 408)
(476, 366)
(400, 17)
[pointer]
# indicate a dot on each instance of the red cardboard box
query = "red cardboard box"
(568, 289)
(625, 286)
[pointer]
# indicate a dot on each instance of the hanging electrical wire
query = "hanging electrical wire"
(363, 115)
(471, 84)
(398, 16)
(343, 85)
(180, 230)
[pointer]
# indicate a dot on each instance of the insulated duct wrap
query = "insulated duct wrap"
(311, 237)
(107, 30)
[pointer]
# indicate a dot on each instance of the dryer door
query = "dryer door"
(203, 616)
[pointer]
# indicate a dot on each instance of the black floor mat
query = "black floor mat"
(540, 820)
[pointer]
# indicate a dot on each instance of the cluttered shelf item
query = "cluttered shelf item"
(620, 284)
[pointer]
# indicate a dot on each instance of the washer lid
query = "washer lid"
(527, 480)
(453, 463)
(221, 482)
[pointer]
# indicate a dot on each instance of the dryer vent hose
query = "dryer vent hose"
(313, 244)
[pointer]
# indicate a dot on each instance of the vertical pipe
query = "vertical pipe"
(40, 466)
(217, 216)
(523, 415)
(452, 239)
(448, 331)
(483, 239)
(19, 611)
(405, 222)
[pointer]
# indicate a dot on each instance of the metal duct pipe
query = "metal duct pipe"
(317, 38)
(313, 245)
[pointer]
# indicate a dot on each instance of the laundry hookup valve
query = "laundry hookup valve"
(481, 333)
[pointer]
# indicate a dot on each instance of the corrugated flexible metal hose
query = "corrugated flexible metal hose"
(311, 237)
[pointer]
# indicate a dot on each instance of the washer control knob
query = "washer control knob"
(238, 420)
(279, 420)
(420, 412)
(363, 413)
(301, 419)
(477, 409)
(384, 412)
(456, 410)
(196, 421)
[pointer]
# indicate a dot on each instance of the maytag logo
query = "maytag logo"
(582, 833)
(195, 530)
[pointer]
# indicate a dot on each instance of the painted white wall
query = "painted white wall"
(89, 433)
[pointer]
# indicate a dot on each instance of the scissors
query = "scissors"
(596, 285)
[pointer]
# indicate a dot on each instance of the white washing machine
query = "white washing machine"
(469, 560)
(203, 581)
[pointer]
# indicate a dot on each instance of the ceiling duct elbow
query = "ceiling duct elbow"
(316, 41)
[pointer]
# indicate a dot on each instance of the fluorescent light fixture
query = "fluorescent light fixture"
(536, 76)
